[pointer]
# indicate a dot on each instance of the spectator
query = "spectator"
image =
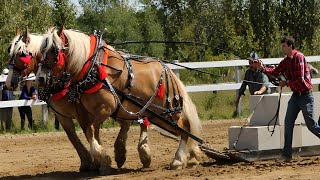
(6, 113)
(56, 122)
(28, 92)
(257, 81)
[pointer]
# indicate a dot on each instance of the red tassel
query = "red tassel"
(61, 59)
(161, 91)
(146, 122)
(26, 60)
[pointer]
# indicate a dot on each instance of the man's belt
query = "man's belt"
(299, 93)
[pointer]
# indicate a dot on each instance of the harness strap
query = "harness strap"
(158, 116)
(130, 71)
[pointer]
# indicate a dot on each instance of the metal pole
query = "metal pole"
(238, 80)
(44, 114)
(176, 71)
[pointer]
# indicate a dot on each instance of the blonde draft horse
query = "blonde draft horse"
(103, 103)
(29, 44)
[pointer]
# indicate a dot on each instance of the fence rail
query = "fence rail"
(192, 88)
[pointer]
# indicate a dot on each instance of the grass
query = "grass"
(218, 105)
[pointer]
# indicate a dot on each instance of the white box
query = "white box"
(265, 108)
(308, 138)
(297, 138)
(254, 138)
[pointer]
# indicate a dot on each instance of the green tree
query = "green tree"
(32, 14)
(265, 25)
(64, 13)
(150, 29)
(300, 18)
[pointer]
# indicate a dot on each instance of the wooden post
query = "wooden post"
(238, 80)
(176, 71)
(44, 114)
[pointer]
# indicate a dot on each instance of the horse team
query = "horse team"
(81, 77)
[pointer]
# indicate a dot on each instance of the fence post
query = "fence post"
(176, 71)
(44, 114)
(238, 80)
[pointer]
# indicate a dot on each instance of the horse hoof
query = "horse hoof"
(144, 154)
(120, 163)
(193, 163)
(85, 168)
(105, 167)
(175, 165)
(104, 171)
(120, 154)
(146, 162)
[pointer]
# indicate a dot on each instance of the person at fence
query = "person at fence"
(6, 113)
(313, 71)
(257, 81)
(56, 122)
(295, 67)
(28, 92)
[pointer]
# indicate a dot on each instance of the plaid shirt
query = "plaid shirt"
(296, 70)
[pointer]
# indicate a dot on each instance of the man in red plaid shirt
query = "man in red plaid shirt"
(295, 67)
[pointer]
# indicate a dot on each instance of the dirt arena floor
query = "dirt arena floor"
(51, 156)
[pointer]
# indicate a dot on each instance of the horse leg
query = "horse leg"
(180, 160)
(143, 147)
(120, 143)
(195, 157)
(97, 151)
(82, 151)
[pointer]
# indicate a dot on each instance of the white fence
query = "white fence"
(194, 88)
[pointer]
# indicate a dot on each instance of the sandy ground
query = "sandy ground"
(51, 156)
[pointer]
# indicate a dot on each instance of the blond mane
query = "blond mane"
(33, 46)
(77, 48)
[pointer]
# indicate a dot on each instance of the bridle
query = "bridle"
(25, 57)
(55, 81)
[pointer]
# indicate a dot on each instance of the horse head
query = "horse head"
(23, 56)
(64, 53)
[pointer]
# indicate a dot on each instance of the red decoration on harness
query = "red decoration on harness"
(146, 122)
(102, 72)
(26, 60)
(61, 59)
(101, 69)
(62, 93)
(160, 93)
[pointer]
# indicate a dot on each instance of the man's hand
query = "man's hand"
(282, 83)
(257, 92)
(34, 97)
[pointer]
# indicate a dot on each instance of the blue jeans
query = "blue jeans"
(305, 103)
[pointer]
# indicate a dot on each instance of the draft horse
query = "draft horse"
(24, 57)
(102, 80)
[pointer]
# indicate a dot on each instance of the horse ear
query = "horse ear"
(50, 30)
(17, 31)
(60, 30)
(26, 36)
